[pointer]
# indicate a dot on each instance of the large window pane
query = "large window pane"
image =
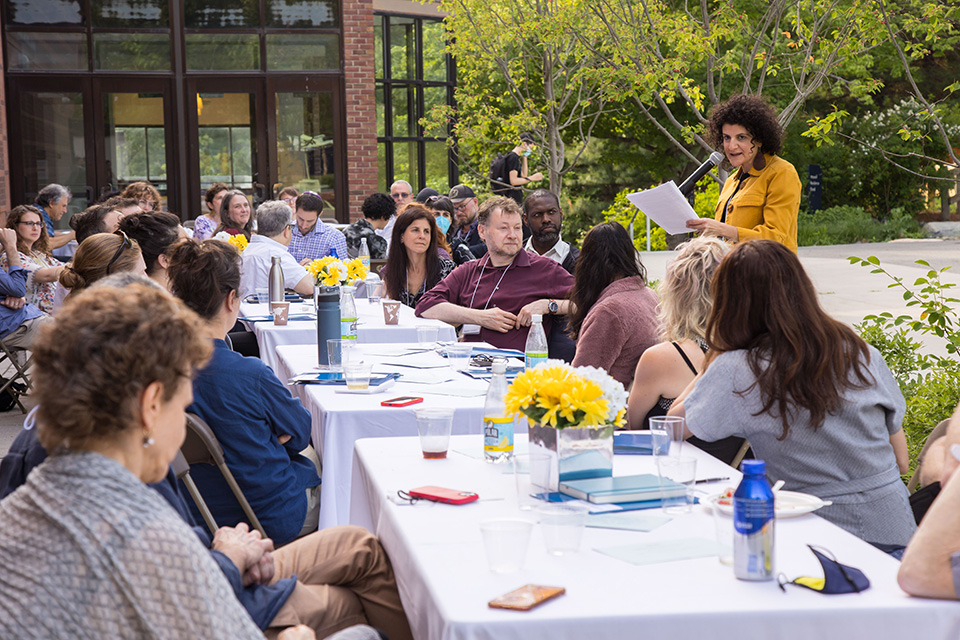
(223, 52)
(378, 47)
(381, 130)
(405, 162)
(434, 97)
(227, 143)
(131, 51)
(434, 51)
(403, 49)
(382, 166)
(302, 13)
(313, 52)
(404, 111)
(135, 143)
(130, 13)
(305, 150)
(437, 160)
(44, 12)
(51, 128)
(214, 14)
(46, 51)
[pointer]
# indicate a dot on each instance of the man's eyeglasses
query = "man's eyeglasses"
(461, 206)
(32, 224)
(146, 205)
(399, 196)
(123, 245)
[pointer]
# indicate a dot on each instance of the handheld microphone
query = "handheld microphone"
(687, 187)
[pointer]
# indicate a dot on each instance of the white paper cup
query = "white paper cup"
(506, 541)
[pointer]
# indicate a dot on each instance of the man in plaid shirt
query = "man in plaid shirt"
(313, 238)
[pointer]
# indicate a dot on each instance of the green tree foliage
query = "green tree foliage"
(520, 67)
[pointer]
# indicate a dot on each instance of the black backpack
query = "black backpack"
(499, 183)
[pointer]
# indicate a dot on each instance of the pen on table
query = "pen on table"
(705, 480)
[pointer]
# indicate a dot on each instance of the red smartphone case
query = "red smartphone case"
(439, 494)
(403, 401)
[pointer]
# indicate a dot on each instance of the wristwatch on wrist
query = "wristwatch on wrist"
(553, 307)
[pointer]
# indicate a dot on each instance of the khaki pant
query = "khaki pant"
(343, 578)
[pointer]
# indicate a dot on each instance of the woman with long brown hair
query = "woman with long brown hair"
(414, 265)
(613, 311)
(100, 255)
(33, 245)
(816, 402)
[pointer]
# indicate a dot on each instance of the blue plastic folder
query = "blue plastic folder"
(638, 443)
(336, 379)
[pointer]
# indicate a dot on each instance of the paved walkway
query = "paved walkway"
(846, 291)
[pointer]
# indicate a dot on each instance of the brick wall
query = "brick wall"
(360, 102)
(4, 161)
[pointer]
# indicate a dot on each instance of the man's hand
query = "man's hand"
(246, 549)
(8, 240)
(305, 262)
(709, 227)
(299, 632)
(497, 320)
(525, 316)
(13, 303)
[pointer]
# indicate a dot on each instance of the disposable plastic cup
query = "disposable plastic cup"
(670, 429)
(338, 352)
(357, 375)
(723, 524)
(458, 355)
(263, 296)
(427, 335)
(434, 426)
(562, 526)
(531, 475)
(506, 541)
(682, 469)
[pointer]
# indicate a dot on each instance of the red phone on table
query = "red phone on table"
(404, 401)
(439, 494)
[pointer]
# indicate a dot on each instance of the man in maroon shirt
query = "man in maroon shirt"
(494, 297)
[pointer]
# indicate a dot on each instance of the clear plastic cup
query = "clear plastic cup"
(338, 352)
(506, 541)
(427, 335)
(458, 355)
(669, 428)
(434, 427)
(357, 375)
(562, 525)
(682, 469)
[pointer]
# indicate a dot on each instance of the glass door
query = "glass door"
(308, 152)
(134, 142)
(226, 133)
(51, 143)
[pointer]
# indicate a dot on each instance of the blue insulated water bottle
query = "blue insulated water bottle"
(328, 320)
(753, 517)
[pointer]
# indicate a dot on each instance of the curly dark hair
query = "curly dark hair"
(751, 113)
(378, 206)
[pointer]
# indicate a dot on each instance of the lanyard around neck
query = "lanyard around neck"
(726, 207)
(477, 286)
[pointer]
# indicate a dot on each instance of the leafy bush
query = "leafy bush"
(929, 383)
(847, 225)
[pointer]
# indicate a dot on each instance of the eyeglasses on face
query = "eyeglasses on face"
(123, 245)
(461, 206)
(146, 205)
(400, 196)
(32, 224)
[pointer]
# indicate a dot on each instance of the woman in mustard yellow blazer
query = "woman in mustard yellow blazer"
(761, 199)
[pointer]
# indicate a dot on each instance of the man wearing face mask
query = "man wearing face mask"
(516, 170)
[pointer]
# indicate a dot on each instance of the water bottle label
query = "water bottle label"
(497, 435)
(348, 328)
(532, 359)
(365, 261)
(753, 522)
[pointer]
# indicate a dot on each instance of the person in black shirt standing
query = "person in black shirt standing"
(516, 171)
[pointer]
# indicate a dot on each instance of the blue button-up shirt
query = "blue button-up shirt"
(14, 285)
(317, 243)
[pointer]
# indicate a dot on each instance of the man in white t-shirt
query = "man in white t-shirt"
(274, 230)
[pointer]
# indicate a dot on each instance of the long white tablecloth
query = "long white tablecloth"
(438, 558)
(370, 328)
(340, 419)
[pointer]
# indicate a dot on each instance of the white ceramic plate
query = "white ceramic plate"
(789, 504)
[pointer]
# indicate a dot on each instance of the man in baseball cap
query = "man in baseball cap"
(465, 208)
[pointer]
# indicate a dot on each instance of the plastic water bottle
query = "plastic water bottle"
(497, 427)
(275, 280)
(364, 254)
(753, 519)
(348, 315)
(536, 347)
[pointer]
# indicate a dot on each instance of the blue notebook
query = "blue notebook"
(614, 490)
(638, 443)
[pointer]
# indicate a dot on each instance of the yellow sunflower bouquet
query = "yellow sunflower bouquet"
(558, 395)
(332, 272)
